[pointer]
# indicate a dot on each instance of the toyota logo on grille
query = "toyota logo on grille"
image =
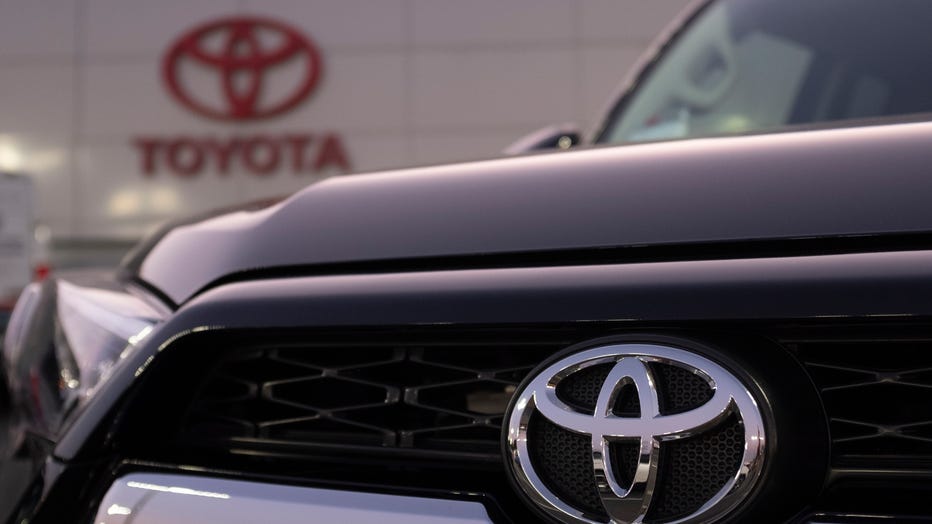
(634, 432)
(242, 53)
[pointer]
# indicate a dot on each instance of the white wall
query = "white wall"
(406, 82)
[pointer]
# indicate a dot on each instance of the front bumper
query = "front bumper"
(154, 498)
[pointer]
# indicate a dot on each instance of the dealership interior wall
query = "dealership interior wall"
(401, 83)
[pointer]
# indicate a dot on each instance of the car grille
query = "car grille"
(434, 396)
(449, 395)
(877, 395)
(416, 401)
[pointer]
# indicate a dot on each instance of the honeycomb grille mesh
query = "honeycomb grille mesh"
(427, 397)
(693, 470)
(581, 389)
(681, 389)
(564, 460)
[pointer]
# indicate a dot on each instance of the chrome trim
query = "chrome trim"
(857, 518)
(625, 504)
(168, 498)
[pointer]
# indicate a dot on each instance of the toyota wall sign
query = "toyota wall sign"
(258, 69)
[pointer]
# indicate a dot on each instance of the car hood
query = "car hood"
(855, 181)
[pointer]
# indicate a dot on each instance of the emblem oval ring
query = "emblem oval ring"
(631, 366)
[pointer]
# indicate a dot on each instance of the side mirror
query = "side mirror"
(561, 136)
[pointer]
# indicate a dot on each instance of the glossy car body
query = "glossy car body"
(772, 256)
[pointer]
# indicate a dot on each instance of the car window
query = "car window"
(751, 65)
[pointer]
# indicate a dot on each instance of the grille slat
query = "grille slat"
(877, 396)
(425, 397)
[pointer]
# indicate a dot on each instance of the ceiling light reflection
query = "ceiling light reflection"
(11, 156)
(124, 203)
(177, 490)
(117, 509)
(133, 201)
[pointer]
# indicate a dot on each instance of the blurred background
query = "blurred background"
(120, 114)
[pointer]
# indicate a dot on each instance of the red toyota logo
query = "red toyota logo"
(234, 48)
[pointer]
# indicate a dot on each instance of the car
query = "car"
(302, 360)
(721, 329)
(731, 67)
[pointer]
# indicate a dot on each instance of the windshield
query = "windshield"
(755, 65)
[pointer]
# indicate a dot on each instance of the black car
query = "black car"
(728, 329)
(749, 66)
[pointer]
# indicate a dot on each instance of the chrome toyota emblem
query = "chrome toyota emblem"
(708, 421)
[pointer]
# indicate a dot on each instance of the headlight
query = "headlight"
(96, 328)
(63, 341)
